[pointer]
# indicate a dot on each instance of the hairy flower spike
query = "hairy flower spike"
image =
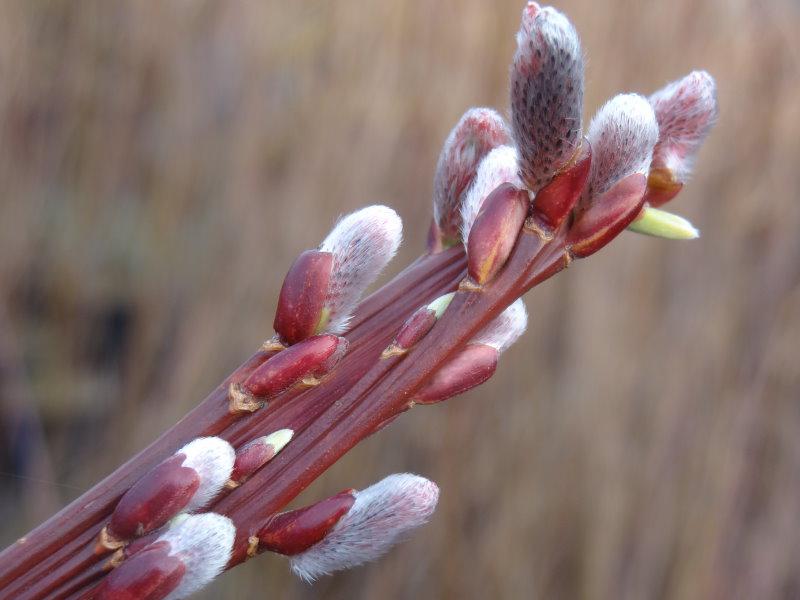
(362, 244)
(505, 329)
(478, 131)
(477, 362)
(185, 558)
(185, 482)
(546, 94)
(686, 111)
(379, 517)
(296, 531)
(622, 135)
(500, 166)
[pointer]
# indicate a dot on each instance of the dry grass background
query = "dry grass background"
(162, 163)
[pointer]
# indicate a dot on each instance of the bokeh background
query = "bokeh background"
(161, 164)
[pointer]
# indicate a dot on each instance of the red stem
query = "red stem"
(358, 398)
(51, 555)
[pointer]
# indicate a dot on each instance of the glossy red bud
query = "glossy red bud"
(557, 199)
(301, 303)
(412, 331)
(154, 499)
(149, 575)
(607, 216)
(313, 357)
(495, 231)
(256, 453)
(471, 367)
(297, 530)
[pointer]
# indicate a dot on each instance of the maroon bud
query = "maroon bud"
(557, 199)
(297, 530)
(154, 499)
(471, 367)
(149, 575)
(186, 481)
(301, 304)
(417, 326)
(255, 454)
(305, 361)
(607, 216)
(495, 232)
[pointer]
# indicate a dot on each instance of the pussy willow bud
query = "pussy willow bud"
(546, 94)
(296, 531)
(305, 361)
(500, 166)
(301, 304)
(380, 515)
(417, 326)
(686, 111)
(478, 131)
(140, 543)
(186, 481)
(477, 362)
(495, 232)
(622, 134)
(185, 558)
(255, 454)
(362, 244)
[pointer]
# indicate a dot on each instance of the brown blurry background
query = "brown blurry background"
(161, 164)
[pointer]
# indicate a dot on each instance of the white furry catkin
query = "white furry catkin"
(546, 94)
(622, 135)
(686, 111)
(362, 244)
(477, 132)
(499, 166)
(212, 458)
(505, 329)
(203, 543)
(379, 517)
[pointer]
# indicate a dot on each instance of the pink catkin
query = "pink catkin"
(686, 111)
(546, 94)
(362, 244)
(379, 517)
(475, 135)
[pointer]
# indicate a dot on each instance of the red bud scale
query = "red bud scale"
(307, 360)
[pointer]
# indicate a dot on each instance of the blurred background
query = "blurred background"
(162, 163)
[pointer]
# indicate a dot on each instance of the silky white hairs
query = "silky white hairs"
(686, 111)
(212, 458)
(546, 94)
(362, 244)
(379, 517)
(203, 543)
(505, 329)
(622, 135)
